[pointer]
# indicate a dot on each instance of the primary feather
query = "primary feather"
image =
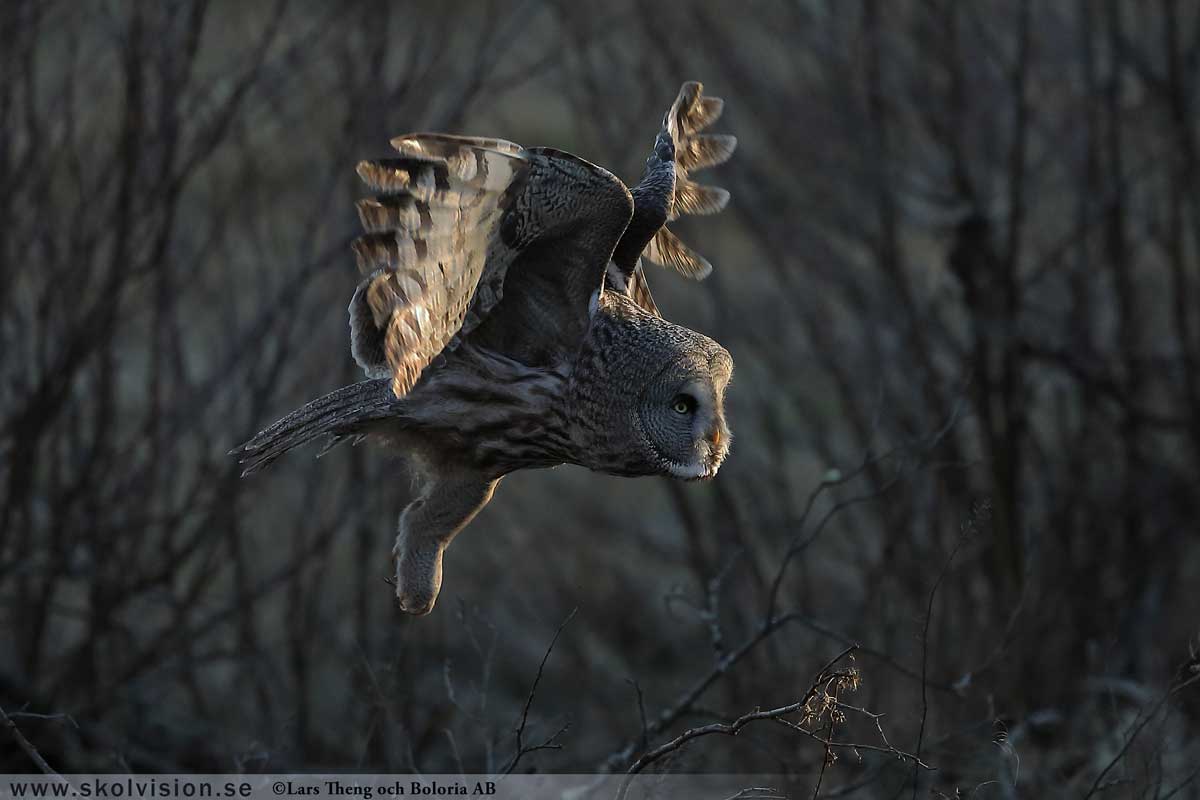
(426, 250)
(690, 114)
(453, 215)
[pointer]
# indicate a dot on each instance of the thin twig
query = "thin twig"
(1182, 785)
(549, 744)
(59, 717)
(967, 529)
(1133, 734)
(824, 677)
(826, 756)
(831, 744)
(641, 711)
(801, 542)
(28, 747)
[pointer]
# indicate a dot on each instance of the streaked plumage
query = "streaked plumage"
(505, 322)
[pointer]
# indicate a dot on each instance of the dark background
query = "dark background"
(960, 278)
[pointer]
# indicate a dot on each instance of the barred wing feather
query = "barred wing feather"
(690, 114)
(452, 216)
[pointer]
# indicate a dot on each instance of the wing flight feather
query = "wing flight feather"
(452, 216)
(424, 252)
(690, 114)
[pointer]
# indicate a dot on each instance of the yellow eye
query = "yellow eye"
(683, 404)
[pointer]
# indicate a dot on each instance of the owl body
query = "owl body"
(484, 411)
(505, 323)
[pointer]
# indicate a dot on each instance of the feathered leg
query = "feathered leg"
(427, 526)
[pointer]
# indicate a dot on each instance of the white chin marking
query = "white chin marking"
(688, 472)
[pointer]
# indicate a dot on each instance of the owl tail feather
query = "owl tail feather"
(340, 414)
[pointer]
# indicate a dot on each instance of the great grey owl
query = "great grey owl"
(504, 323)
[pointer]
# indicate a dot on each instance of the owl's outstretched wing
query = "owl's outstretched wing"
(467, 230)
(690, 114)
(667, 191)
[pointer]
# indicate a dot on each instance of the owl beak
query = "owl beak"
(718, 440)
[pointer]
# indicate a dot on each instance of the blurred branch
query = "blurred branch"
(1143, 719)
(28, 747)
(800, 542)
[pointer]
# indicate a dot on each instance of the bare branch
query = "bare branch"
(522, 748)
(825, 679)
(28, 747)
(1143, 720)
(968, 528)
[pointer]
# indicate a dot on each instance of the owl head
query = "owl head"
(648, 396)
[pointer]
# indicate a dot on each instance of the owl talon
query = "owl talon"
(418, 577)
